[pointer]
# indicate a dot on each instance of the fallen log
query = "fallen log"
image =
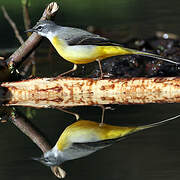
(67, 92)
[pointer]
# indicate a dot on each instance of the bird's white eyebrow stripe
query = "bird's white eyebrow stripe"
(41, 25)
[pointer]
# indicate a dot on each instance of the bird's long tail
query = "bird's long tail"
(146, 54)
(140, 128)
(157, 123)
(129, 131)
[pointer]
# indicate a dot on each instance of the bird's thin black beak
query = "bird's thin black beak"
(41, 160)
(29, 30)
(45, 161)
(36, 158)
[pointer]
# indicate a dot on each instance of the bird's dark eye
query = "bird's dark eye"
(46, 160)
(39, 28)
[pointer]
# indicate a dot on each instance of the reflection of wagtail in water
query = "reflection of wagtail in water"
(85, 137)
(80, 47)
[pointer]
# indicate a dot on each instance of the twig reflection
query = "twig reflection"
(29, 130)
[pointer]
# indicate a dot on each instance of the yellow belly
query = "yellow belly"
(79, 54)
(82, 54)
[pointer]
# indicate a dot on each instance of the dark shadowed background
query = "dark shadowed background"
(152, 154)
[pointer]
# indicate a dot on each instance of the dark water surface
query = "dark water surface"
(153, 154)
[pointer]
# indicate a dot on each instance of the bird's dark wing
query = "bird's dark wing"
(97, 144)
(92, 40)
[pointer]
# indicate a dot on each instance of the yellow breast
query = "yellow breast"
(77, 54)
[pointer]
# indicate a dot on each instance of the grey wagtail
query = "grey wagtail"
(80, 47)
(85, 137)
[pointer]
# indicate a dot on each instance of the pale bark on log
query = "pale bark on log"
(67, 92)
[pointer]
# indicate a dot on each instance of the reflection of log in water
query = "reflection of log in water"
(47, 92)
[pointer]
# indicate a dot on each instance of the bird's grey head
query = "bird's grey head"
(44, 28)
(50, 158)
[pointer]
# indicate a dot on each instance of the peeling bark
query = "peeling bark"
(64, 92)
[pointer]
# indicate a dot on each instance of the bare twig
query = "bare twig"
(13, 25)
(11, 64)
(27, 66)
(27, 22)
(26, 16)
(31, 43)
(29, 130)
